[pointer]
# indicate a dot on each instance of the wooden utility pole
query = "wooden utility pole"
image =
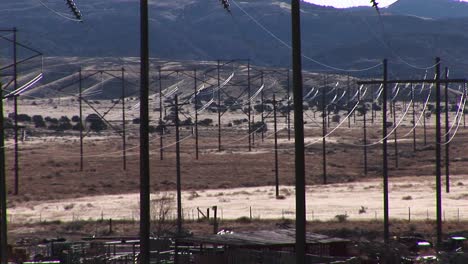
(161, 132)
(124, 134)
(15, 98)
(196, 112)
(364, 127)
(3, 189)
(324, 132)
(395, 136)
(80, 102)
(288, 119)
(447, 137)
(437, 82)
(144, 136)
(414, 118)
(262, 107)
(178, 179)
(276, 147)
(219, 109)
(298, 134)
(249, 105)
(348, 91)
(385, 158)
(438, 156)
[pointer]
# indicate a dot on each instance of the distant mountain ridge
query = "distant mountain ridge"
(413, 32)
(430, 8)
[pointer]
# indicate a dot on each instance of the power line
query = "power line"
(60, 14)
(304, 56)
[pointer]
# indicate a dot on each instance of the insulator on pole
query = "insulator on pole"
(226, 5)
(375, 5)
(71, 4)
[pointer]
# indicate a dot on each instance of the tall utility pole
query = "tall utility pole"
(3, 190)
(438, 157)
(324, 131)
(288, 86)
(385, 157)
(364, 128)
(276, 147)
(178, 179)
(437, 81)
(298, 133)
(219, 108)
(196, 112)
(15, 98)
(144, 136)
(161, 133)
(414, 118)
(249, 105)
(80, 103)
(447, 136)
(262, 95)
(124, 139)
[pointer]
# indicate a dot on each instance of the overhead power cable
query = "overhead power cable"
(76, 18)
(304, 56)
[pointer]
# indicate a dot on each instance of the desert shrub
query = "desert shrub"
(363, 210)
(243, 219)
(77, 126)
(51, 120)
(336, 118)
(341, 218)
(75, 118)
(64, 119)
(237, 122)
(136, 121)
(21, 117)
(259, 127)
(38, 121)
(96, 123)
(161, 210)
(65, 126)
(206, 122)
(186, 122)
(75, 226)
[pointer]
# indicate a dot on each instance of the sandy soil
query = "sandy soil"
(235, 179)
(360, 201)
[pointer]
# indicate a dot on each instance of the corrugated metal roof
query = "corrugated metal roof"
(260, 238)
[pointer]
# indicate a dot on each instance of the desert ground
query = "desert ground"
(241, 183)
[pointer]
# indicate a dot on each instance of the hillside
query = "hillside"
(202, 30)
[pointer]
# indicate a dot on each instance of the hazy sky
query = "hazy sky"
(349, 3)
